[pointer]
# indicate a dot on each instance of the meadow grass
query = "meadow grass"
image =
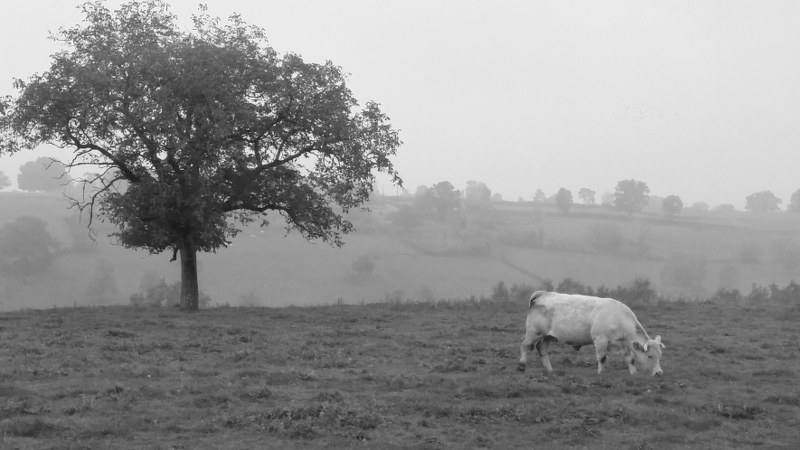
(390, 375)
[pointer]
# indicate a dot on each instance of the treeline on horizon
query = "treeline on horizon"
(630, 196)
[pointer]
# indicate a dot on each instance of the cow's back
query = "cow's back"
(566, 317)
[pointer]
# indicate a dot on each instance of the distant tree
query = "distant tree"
(587, 196)
(793, 206)
(448, 199)
(212, 128)
(725, 208)
(539, 196)
(497, 197)
(672, 205)
(43, 175)
(631, 196)
(477, 192)
(4, 181)
(607, 199)
(26, 247)
(564, 200)
(364, 265)
(699, 206)
(762, 202)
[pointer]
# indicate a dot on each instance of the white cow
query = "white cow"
(579, 320)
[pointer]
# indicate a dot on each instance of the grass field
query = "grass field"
(390, 376)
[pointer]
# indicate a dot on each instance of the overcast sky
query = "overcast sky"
(700, 99)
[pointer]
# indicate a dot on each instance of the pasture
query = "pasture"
(392, 375)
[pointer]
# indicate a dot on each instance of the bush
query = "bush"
(727, 296)
(570, 286)
(363, 265)
(500, 292)
(163, 294)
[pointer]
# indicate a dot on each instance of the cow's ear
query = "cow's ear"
(658, 339)
(638, 346)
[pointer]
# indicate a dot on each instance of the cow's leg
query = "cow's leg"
(527, 345)
(630, 358)
(541, 346)
(601, 351)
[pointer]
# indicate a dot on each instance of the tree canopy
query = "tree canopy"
(4, 181)
(199, 132)
(672, 205)
(43, 175)
(763, 202)
(564, 200)
(631, 196)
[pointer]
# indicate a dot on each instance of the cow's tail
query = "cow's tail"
(535, 296)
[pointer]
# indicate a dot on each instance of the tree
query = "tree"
(44, 175)
(477, 193)
(793, 206)
(762, 202)
(672, 205)
(539, 197)
(210, 128)
(587, 196)
(631, 196)
(564, 200)
(4, 181)
(26, 247)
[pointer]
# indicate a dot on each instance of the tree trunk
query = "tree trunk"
(190, 294)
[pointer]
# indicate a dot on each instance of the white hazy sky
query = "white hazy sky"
(700, 99)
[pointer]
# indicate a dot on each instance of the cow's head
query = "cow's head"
(648, 355)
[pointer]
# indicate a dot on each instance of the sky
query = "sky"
(699, 99)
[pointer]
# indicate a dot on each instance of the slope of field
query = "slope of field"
(392, 376)
(464, 256)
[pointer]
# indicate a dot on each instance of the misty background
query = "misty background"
(696, 99)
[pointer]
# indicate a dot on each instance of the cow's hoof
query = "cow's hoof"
(521, 367)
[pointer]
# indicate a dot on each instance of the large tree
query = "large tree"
(631, 196)
(198, 132)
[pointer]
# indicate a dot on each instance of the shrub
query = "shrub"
(163, 294)
(363, 265)
(500, 292)
(570, 286)
(727, 296)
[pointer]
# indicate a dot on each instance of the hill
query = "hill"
(414, 256)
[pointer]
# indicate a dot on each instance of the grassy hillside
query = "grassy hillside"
(391, 376)
(431, 259)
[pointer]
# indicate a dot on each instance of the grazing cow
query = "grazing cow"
(579, 320)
